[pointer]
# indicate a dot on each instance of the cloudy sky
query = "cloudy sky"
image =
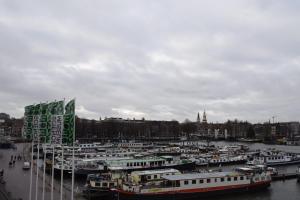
(156, 59)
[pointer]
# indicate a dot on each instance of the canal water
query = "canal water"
(17, 180)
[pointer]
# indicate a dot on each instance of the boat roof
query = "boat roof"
(159, 171)
(198, 176)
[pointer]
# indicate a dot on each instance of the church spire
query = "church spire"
(204, 120)
(198, 118)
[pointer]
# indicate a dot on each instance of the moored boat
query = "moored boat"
(196, 185)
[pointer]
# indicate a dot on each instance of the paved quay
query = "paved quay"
(17, 180)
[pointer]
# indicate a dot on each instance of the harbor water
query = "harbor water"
(18, 180)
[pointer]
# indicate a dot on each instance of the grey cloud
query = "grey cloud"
(157, 59)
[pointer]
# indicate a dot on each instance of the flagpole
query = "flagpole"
(37, 168)
(52, 172)
(44, 173)
(73, 164)
(62, 160)
(62, 172)
(31, 170)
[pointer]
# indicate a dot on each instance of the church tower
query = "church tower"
(198, 118)
(204, 120)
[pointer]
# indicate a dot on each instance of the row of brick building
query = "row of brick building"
(133, 129)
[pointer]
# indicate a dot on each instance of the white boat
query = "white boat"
(196, 185)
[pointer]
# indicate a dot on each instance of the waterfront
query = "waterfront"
(17, 180)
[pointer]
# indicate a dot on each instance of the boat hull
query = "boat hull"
(189, 194)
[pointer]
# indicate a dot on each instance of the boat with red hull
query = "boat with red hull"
(195, 185)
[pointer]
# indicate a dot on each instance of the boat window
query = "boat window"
(201, 181)
(193, 181)
(104, 184)
(134, 164)
(186, 182)
(235, 178)
(97, 184)
(228, 179)
(241, 178)
(149, 177)
(216, 180)
(127, 164)
(208, 180)
(155, 176)
(177, 183)
(222, 179)
(111, 185)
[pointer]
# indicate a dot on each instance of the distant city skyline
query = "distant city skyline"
(160, 60)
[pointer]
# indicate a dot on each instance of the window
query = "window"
(208, 180)
(104, 184)
(228, 179)
(97, 184)
(222, 179)
(201, 181)
(148, 177)
(193, 181)
(216, 180)
(177, 183)
(186, 182)
(235, 178)
(155, 176)
(111, 185)
(241, 178)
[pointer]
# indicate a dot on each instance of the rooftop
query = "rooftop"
(198, 175)
(160, 171)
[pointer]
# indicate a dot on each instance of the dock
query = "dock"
(284, 176)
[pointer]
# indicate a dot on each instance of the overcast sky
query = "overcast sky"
(157, 59)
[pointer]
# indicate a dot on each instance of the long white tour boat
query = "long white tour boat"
(195, 185)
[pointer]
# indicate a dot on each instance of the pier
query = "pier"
(284, 176)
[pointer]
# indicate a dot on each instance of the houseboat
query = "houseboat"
(196, 185)
(275, 159)
(100, 186)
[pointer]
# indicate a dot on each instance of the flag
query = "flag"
(29, 110)
(69, 123)
(57, 127)
(70, 107)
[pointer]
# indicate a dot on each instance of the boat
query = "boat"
(26, 165)
(100, 185)
(196, 185)
(227, 160)
(275, 159)
(150, 163)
